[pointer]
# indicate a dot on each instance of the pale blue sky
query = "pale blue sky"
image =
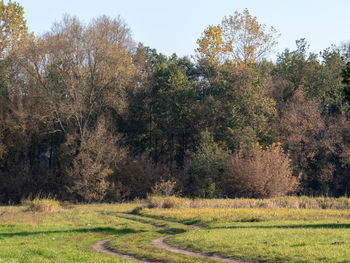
(174, 26)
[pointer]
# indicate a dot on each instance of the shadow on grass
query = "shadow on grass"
(187, 222)
(171, 231)
(104, 230)
(190, 222)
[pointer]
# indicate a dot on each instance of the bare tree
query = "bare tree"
(80, 74)
(99, 153)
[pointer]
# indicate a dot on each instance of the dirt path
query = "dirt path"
(100, 247)
(161, 244)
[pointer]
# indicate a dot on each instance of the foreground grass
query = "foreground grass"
(64, 236)
(271, 244)
(267, 234)
(140, 243)
(67, 235)
(264, 234)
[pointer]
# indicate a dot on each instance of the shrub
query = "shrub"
(207, 168)
(134, 178)
(164, 188)
(265, 173)
(136, 210)
(167, 202)
(42, 205)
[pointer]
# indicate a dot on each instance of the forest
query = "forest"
(87, 114)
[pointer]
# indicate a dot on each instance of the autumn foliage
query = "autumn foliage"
(262, 173)
(89, 115)
(239, 39)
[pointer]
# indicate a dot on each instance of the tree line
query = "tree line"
(89, 115)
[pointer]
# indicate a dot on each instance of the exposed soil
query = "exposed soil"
(100, 247)
(161, 243)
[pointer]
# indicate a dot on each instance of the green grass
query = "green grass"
(64, 236)
(140, 243)
(264, 234)
(257, 234)
(316, 243)
(67, 235)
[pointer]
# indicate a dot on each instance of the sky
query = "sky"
(174, 26)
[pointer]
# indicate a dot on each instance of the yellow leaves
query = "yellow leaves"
(274, 147)
(211, 45)
(239, 38)
(12, 26)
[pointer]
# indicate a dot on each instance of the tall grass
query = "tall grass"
(302, 202)
(42, 205)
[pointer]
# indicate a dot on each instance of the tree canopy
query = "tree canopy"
(89, 115)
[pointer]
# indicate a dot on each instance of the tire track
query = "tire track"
(100, 246)
(161, 243)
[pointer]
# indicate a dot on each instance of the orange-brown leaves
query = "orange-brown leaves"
(267, 173)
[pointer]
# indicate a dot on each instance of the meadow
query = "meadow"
(270, 230)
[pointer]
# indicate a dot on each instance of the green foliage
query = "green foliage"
(330, 86)
(319, 77)
(243, 111)
(162, 108)
(346, 80)
(207, 167)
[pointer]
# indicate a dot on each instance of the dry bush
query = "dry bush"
(99, 153)
(42, 205)
(167, 202)
(266, 173)
(164, 187)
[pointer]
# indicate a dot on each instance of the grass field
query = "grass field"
(254, 234)
(271, 235)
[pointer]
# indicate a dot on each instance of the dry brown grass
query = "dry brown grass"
(18, 215)
(302, 202)
(42, 205)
